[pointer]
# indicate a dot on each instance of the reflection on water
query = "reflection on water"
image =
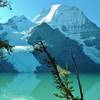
(17, 87)
(41, 86)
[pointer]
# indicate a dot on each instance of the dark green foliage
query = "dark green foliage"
(1, 55)
(5, 44)
(5, 66)
(5, 3)
(66, 89)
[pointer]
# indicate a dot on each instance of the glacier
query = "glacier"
(21, 58)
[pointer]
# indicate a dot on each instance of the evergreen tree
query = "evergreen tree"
(61, 76)
(4, 44)
(5, 3)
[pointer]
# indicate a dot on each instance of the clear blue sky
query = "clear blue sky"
(30, 8)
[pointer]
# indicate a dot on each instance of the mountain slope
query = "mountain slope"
(67, 28)
(19, 23)
(72, 22)
(15, 32)
(60, 48)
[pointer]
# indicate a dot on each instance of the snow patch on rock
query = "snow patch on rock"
(93, 53)
(50, 15)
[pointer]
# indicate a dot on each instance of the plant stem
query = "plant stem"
(57, 73)
(77, 75)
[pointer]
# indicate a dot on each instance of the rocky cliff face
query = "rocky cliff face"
(72, 22)
(60, 48)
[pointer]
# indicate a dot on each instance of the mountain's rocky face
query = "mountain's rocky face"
(72, 22)
(6, 67)
(60, 48)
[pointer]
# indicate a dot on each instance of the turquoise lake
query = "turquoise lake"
(41, 86)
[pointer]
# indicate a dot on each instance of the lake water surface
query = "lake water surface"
(41, 86)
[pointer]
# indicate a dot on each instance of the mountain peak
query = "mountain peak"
(67, 18)
(55, 10)
(17, 19)
(19, 23)
(44, 24)
(49, 13)
(56, 5)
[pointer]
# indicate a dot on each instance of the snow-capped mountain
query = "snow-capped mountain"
(66, 26)
(16, 32)
(19, 23)
(67, 18)
(72, 22)
(16, 29)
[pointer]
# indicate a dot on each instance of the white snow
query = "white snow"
(50, 15)
(93, 53)
(36, 18)
(22, 59)
(76, 37)
(22, 48)
(90, 38)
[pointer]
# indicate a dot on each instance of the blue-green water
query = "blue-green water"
(42, 87)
